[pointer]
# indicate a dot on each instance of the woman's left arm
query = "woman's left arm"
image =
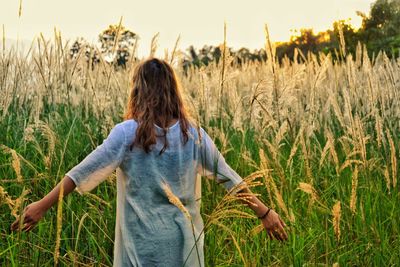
(271, 220)
(213, 163)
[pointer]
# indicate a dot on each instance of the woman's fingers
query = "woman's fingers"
(28, 227)
(26, 221)
(17, 222)
(281, 229)
(274, 233)
(270, 235)
(32, 226)
(277, 235)
(282, 222)
(283, 233)
(14, 224)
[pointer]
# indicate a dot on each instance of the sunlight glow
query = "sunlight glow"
(198, 22)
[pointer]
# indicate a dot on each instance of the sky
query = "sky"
(197, 22)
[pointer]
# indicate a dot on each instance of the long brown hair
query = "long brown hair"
(155, 98)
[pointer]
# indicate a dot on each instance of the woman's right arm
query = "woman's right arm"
(91, 171)
(36, 210)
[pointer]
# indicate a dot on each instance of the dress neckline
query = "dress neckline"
(169, 128)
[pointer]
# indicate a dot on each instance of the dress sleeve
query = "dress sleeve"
(101, 162)
(212, 164)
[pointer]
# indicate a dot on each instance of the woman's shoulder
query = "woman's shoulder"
(127, 128)
(195, 126)
(197, 132)
(127, 124)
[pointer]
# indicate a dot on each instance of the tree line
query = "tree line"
(379, 31)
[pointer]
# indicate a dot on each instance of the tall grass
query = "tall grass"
(321, 135)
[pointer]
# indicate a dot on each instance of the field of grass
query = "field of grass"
(321, 136)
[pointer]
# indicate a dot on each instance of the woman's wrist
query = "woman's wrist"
(261, 210)
(45, 204)
(262, 217)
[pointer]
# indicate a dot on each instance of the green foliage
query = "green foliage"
(380, 31)
(212, 54)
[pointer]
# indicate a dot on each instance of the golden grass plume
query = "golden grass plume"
(336, 213)
(354, 185)
(173, 199)
(59, 224)
(16, 164)
(309, 189)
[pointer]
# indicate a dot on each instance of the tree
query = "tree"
(117, 44)
(82, 48)
(350, 35)
(380, 29)
(304, 39)
(210, 53)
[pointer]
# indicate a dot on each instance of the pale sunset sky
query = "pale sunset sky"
(198, 22)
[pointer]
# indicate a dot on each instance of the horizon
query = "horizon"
(44, 16)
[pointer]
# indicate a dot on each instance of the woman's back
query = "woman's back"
(176, 166)
(155, 230)
(149, 229)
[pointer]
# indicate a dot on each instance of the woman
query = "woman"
(155, 148)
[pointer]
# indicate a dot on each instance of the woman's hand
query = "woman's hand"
(275, 226)
(35, 211)
(270, 219)
(30, 216)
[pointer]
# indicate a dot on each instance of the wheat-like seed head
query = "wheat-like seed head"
(378, 128)
(59, 224)
(354, 184)
(16, 164)
(393, 159)
(173, 199)
(5, 197)
(309, 189)
(387, 177)
(51, 139)
(306, 158)
(336, 212)
(332, 150)
(324, 152)
(362, 139)
(18, 202)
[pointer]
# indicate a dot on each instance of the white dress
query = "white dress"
(149, 230)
